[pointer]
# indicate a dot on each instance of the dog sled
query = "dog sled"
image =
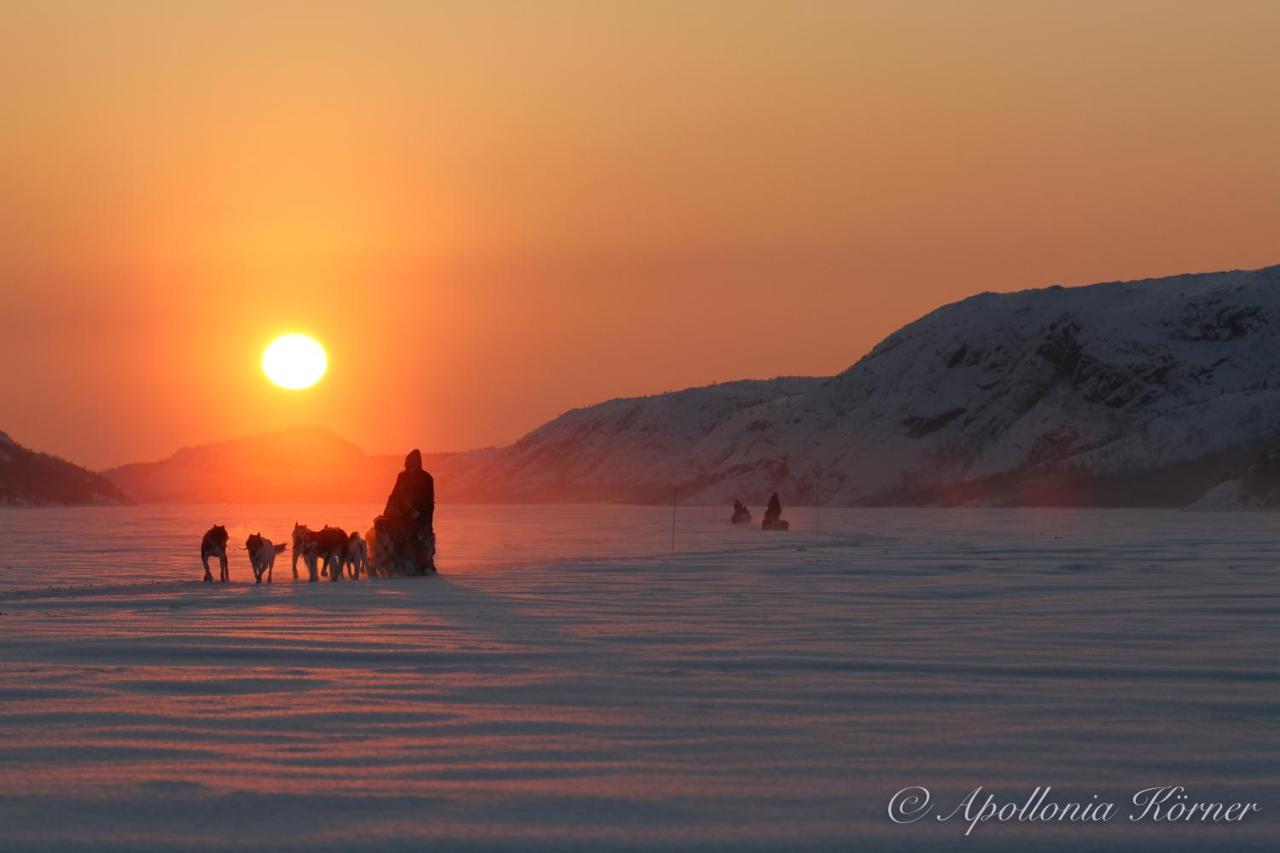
(398, 548)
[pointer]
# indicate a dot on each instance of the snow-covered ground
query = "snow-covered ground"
(570, 683)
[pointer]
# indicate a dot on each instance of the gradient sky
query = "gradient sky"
(489, 213)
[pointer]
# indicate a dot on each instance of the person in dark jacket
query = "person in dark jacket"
(413, 501)
(773, 516)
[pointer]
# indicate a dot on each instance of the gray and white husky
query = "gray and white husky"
(262, 556)
(306, 547)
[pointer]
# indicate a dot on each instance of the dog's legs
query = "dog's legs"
(295, 562)
(204, 560)
(222, 559)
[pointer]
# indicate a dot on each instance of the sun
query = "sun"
(294, 361)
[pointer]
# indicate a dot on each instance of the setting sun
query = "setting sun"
(294, 361)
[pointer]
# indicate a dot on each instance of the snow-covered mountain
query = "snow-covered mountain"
(637, 449)
(1139, 393)
(28, 477)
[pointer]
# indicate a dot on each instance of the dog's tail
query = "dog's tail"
(280, 549)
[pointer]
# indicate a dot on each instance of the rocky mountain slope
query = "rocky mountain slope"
(1255, 487)
(1130, 393)
(28, 477)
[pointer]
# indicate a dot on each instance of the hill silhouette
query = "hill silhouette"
(29, 477)
(299, 464)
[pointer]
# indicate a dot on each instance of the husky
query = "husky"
(306, 547)
(262, 556)
(357, 555)
(214, 544)
(331, 545)
(373, 563)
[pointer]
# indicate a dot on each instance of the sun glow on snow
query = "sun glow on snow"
(294, 361)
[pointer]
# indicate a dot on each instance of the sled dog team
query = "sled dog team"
(327, 551)
(402, 540)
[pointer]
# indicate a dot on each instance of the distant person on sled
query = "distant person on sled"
(412, 505)
(773, 519)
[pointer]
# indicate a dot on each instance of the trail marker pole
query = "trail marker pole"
(673, 519)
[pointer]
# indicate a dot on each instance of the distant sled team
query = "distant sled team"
(401, 542)
(773, 519)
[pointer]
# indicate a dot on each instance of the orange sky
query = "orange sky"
(489, 215)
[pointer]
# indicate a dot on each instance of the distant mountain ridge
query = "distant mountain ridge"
(300, 464)
(29, 477)
(1143, 393)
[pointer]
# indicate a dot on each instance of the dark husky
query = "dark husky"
(357, 555)
(214, 544)
(262, 556)
(331, 543)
